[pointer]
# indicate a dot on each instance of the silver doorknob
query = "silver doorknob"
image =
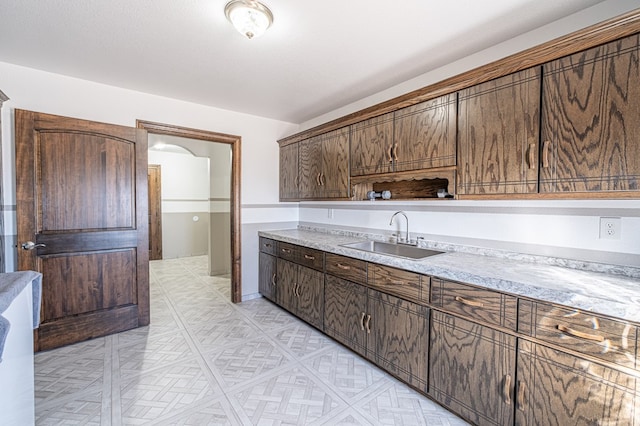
(30, 245)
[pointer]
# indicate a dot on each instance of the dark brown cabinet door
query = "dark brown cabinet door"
(425, 135)
(310, 157)
(345, 308)
(267, 285)
(557, 389)
(286, 282)
(289, 172)
(398, 337)
(498, 124)
(372, 146)
(590, 125)
(82, 194)
(334, 178)
(310, 295)
(472, 370)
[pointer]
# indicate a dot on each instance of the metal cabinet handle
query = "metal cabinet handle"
(367, 324)
(395, 152)
(389, 154)
(322, 179)
(318, 179)
(532, 155)
(267, 245)
(506, 389)
(273, 279)
(30, 245)
(309, 257)
(468, 302)
(522, 388)
(579, 334)
(344, 267)
(362, 320)
(285, 250)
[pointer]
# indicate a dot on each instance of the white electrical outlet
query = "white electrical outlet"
(610, 228)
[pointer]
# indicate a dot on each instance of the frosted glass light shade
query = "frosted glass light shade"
(249, 17)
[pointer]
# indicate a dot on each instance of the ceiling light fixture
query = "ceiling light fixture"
(251, 18)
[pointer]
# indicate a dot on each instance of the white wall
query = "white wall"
(41, 91)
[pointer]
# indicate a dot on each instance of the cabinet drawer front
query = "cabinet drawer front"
(268, 246)
(585, 332)
(405, 284)
(345, 267)
(475, 303)
(308, 257)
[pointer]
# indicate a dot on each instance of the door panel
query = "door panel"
(82, 191)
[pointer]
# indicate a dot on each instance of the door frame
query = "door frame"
(155, 211)
(234, 141)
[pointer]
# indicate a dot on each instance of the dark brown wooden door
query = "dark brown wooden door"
(425, 135)
(82, 193)
(472, 370)
(286, 281)
(556, 389)
(372, 146)
(398, 337)
(267, 276)
(155, 212)
(590, 126)
(310, 164)
(335, 164)
(498, 124)
(345, 309)
(289, 172)
(310, 295)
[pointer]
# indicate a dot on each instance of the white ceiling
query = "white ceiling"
(318, 55)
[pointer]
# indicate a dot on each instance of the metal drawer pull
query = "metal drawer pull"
(367, 323)
(468, 302)
(284, 250)
(521, 395)
(506, 390)
(341, 266)
(309, 257)
(362, 321)
(273, 279)
(267, 245)
(398, 282)
(580, 334)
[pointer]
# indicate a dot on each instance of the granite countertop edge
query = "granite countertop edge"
(611, 295)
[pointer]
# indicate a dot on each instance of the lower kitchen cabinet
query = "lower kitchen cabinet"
(389, 331)
(472, 369)
(267, 276)
(557, 388)
(301, 291)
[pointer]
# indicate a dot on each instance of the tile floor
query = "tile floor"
(206, 361)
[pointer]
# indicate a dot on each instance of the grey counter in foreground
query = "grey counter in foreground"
(613, 295)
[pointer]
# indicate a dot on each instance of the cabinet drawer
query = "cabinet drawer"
(405, 284)
(308, 257)
(585, 332)
(268, 246)
(347, 268)
(475, 303)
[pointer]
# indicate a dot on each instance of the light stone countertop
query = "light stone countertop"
(613, 295)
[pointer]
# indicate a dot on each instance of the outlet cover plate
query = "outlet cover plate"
(610, 228)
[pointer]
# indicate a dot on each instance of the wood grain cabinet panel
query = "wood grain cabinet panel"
(478, 304)
(301, 291)
(287, 274)
(289, 178)
(557, 389)
(472, 370)
(372, 145)
(398, 337)
(408, 285)
(345, 309)
(324, 165)
(590, 126)
(268, 246)
(267, 285)
(425, 135)
(498, 135)
(585, 332)
(345, 267)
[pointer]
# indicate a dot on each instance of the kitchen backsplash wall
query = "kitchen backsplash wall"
(565, 229)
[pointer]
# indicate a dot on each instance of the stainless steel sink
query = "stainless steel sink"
(400, 250)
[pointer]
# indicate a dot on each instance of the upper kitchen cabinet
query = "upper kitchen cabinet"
(289, 172)
(498, 135)
(372, 146)
(590, 126)
(324, 165)
(425, 135)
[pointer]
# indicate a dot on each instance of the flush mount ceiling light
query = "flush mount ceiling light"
(251, 18)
